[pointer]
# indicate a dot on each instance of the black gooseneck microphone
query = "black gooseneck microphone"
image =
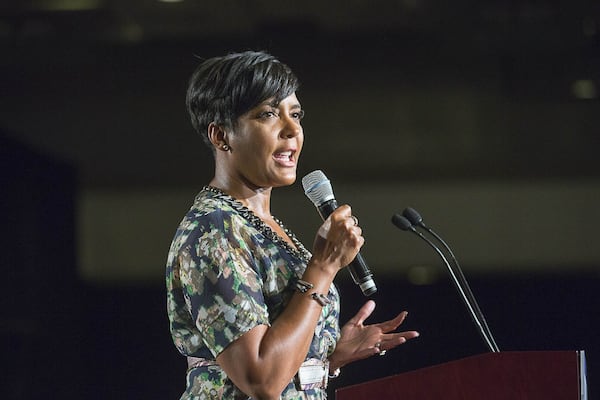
(415, 218)
(318, 189)
(407, 222)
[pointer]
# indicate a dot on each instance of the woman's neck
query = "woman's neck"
(258, 200)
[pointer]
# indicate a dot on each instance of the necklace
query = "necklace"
(299, 251)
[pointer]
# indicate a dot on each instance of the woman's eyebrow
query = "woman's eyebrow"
(274, 103)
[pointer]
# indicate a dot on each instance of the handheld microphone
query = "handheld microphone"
(318, 189)
(406, 222)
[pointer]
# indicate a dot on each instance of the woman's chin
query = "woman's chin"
(286, 181)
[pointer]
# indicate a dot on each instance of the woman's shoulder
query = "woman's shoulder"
(209, 202)
(207, 217)
(207, 210)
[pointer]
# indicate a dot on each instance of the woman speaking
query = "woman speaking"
(255, 312)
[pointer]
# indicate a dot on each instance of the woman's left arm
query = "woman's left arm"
(360, 341)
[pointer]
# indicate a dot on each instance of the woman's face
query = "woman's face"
(266, 143)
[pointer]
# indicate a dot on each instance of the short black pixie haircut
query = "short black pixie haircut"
(223, 88)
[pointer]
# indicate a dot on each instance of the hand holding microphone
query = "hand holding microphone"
(318, 189)
(339, 238)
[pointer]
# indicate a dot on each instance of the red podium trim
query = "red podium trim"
(530, 375)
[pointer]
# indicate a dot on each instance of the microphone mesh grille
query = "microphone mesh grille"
(317, 187)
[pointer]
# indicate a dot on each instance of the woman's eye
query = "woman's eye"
(268, 114)
(298, 115)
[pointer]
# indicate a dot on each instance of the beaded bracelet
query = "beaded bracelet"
(303, 286)
(320, 298)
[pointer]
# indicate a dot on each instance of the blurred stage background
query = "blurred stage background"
(482, 115)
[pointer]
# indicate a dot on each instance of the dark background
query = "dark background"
(92, 100)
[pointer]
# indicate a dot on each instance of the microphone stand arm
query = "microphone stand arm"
(463, 288)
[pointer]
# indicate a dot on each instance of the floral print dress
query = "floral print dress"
(228, 272)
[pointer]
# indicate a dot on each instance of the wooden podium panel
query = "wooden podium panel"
(530, 375)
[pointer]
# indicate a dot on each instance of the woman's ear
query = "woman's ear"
(218, 136)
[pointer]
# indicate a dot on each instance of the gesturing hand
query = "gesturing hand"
(360, 341)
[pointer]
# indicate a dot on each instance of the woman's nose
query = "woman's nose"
(291, 127)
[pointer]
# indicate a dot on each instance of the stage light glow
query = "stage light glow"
(422, 275)
(69, 5)
(584, 89)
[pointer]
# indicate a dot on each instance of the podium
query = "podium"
(528, 375)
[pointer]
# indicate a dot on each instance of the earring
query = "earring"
(225, 147)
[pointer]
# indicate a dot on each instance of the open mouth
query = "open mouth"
(286, 157)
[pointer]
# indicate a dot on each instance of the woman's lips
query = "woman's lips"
(285, 157)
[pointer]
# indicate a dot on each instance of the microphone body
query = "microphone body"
(327, 204)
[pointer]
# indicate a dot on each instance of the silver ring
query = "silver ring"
(355, 220)
(378, 346)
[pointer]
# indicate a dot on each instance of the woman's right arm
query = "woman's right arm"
(264, 360)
